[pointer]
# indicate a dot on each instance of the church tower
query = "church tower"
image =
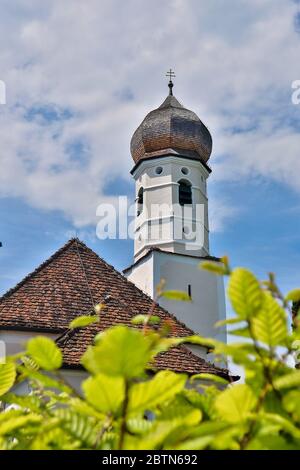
(170, 149)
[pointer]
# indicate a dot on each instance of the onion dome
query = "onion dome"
(171, 129)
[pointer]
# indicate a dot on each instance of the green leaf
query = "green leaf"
(167, 343)
(203, 401)
(164, 386)
(45, 353)
(119, 351)
(243, 332)
(104, 392)
(29, 363)
(213, 267)
(245, 293)
(270, 325)
(7, 377)
(210, 377)
(198, 443)
(141, 319)
(16, 422)
(234, 404)
(43, 379)
(293, 295)
(288, 381)
(31, 403)
(178, 407)
(282, 422)
(227, 321)
(176, 295)
(139, 425)
(50, 435)
(291, 403)
(78, 426)
(84, 320)
(162, 434)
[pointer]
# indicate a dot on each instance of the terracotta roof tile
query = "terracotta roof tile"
(68, 285)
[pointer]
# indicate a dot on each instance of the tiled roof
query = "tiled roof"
(68, 285)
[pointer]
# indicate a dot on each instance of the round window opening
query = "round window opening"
(184, 171)
(158, 170)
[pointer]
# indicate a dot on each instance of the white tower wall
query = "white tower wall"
(162, 226)
(158, 254)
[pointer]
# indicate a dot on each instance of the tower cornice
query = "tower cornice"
(172, 158)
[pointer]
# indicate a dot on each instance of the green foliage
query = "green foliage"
(213, 267)
(120, 352)
(145, 319)
(7, 377)
(293, 295)
(179, 296)
(124, 403)
(210, 378)
(111, 396)
(235, 404)
(45, 353)
(270, 324)
(147, 395)
(84, 320)
(245, 293)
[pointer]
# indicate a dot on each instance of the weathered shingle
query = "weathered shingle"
(169, 129)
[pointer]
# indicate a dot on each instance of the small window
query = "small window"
(185, 171)
(190, 291)
(158, 170)
(140, 201)
(185, 192)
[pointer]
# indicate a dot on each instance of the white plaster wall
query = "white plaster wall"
(15, 342)
(208, 298)
(142, 275)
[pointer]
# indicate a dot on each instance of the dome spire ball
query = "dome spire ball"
(171, 75)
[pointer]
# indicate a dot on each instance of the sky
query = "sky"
(81, 76)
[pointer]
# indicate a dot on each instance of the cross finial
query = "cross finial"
(171, 75)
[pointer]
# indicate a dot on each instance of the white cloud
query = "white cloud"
(235, 62)
(220, 213)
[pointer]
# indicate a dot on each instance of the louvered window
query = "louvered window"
(185, 193)
(140, 201)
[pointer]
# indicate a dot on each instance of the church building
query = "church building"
(170, 149)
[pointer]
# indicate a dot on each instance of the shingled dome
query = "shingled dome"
(171, 129)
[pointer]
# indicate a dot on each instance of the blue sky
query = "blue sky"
(75, 98)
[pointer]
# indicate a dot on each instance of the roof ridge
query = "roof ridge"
(45, 263)
(143, 294)
(112, 268)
